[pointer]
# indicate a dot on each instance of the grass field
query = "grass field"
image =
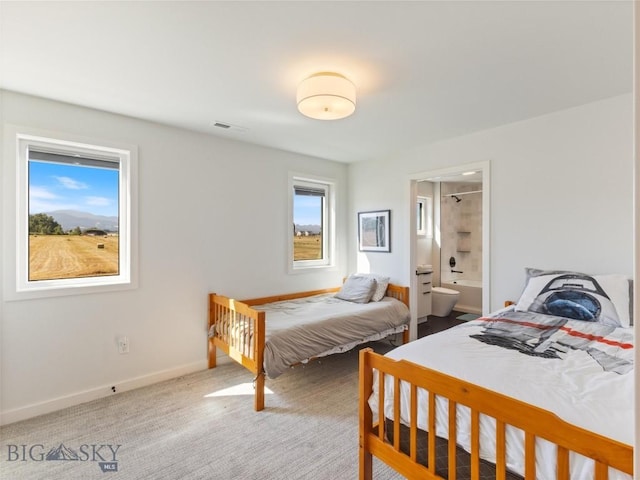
(307, 248)
(71, 256)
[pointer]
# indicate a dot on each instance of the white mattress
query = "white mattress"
(575, 387)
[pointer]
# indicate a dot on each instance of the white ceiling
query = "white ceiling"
(424, 70)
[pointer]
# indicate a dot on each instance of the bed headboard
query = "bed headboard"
(288, 296)
(399, 293)
(396, 291)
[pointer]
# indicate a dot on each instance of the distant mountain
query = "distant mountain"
(70, 219)
(308, 228)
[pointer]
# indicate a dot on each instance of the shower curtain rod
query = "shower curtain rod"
(461, 193)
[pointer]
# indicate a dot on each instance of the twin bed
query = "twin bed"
(526, 392)
(269, 335)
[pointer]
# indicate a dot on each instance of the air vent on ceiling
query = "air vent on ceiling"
(228, 127)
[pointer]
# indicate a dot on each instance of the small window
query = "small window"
(74, 213)
(312, 242)
(424, 210)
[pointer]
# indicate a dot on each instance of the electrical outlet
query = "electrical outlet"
(123, 345)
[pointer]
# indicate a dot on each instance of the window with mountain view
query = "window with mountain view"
(75, 215)
(311, 201)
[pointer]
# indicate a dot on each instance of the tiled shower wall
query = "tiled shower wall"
(461, 230)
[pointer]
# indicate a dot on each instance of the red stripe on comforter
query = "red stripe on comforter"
(567, 330)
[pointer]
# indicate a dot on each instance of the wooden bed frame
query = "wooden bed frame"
(248, 351)
(534, 421)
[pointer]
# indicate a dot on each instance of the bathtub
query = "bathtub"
(470, 300)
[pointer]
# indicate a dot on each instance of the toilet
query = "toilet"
(443, 301)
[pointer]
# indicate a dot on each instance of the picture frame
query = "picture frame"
(374, 231)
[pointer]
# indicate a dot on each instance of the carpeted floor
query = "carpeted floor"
(202, 426)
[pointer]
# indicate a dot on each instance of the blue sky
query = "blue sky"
(307, 210)
(55, 186)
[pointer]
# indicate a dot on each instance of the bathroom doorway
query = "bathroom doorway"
(450, 241)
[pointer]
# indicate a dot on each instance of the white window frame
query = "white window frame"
(126, 278)
(328, 233)
(425, 216)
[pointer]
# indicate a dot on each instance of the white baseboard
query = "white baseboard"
(48, 406)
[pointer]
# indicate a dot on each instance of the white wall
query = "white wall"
(636, 184)
(212, 217)
(561, 194)
(561, 197)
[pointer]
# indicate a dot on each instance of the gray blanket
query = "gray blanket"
(300, 329)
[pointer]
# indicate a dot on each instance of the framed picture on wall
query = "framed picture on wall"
(374, 231)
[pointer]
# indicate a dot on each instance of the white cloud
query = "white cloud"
(41, 193)
(43, 206)
(41, 200)
(71, 184)
(97, 201)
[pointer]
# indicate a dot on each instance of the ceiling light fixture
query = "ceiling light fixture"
(326, 96)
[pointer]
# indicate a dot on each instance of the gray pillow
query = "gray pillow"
(382, 283)
(357, 289)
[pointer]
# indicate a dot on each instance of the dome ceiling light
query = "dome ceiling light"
(326, 96)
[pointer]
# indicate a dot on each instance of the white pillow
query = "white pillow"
(625, 311)
(357, 289)
(382, 283)
(597, 298)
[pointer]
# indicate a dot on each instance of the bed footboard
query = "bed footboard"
(533, 421)
(239, 331)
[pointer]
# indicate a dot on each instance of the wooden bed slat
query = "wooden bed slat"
(258, 353)
(431, 460)
(413, 441)
(535, 422)
(602, 471)
(529, 456)
(381, 395)
(501, 451)
(365, 382)
(475, 445)
(396, 413)
(562, 467)
(453, 437)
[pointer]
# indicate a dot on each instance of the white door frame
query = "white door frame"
(485, 168)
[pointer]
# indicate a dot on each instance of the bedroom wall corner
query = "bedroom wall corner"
(210, 220)
(636, 242)
(3, 187)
